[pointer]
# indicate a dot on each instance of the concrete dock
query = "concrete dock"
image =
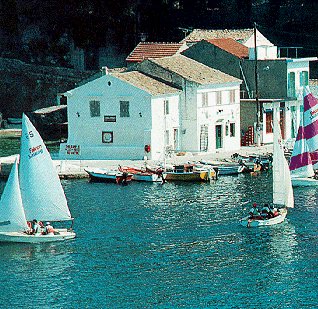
(68, 169)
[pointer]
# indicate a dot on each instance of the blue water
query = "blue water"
(169, 246)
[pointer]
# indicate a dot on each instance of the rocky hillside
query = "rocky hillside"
(26, 87)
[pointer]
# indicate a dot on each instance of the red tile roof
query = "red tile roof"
(145, 50)
(231, 46)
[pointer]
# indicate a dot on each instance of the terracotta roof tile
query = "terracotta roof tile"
(146, 83)
(194, 71)
(231, 46)
(240, 35)
(145, 50)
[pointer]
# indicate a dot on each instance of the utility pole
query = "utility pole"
(258, 129)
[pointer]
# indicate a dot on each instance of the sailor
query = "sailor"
(49, 230)
(35, 226)
(265, 211)
(254, 212)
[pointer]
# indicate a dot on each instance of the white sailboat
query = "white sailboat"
(305, 149)
(33, 191)
(282, 186)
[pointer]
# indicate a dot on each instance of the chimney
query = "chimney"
(104, 71)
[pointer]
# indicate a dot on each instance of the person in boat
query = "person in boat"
(265, 212)
(48, 230)
(35, 227)
(254, 212)
(273, 211)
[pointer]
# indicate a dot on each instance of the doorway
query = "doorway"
(218, 136)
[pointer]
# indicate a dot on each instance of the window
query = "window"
(218, 98)
(303, 78)
(107, 137)
(205, 99)
(269, 121)
(232, 96)
(167, 140)
(232, 129)
(166, 107)
(94, 107)
(291, 92)
(204, 138)
(124, 108)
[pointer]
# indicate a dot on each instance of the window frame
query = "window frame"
(166, 106)
(124, 109)
(205, 99)
(94, 108)
(218, 97)
(232, 129)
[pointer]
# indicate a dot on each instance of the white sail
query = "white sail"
(12, 217)
(282, 185)
(42, 193)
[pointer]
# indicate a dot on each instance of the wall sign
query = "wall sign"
(108, 118)
(72, 149)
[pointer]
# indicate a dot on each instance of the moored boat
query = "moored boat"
(14, 120)
(146, 175)
(106, 175)
(187, 172)
(223, 168)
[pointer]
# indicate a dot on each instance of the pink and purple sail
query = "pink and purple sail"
(305, 153)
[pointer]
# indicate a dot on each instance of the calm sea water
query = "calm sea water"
(169, 246)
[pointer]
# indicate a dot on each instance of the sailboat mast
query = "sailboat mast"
(258, 136)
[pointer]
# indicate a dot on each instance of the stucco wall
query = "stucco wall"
(214, 57)
(130, 134)
(272, 77)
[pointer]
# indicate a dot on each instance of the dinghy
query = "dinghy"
(33, 191)
(282, 186)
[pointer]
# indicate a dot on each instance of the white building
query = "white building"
(173, 103)
(120, 116)
(209, 103)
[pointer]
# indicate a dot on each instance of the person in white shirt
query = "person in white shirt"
(49, 230)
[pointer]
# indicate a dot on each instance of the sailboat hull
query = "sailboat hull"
(247, 222)
(18, 237)
(304, 182)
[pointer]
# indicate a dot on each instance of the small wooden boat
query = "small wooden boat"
(223, 168)
(14, 120)
(144, 175)
(105, 175)
(188, 173)
(247, 222)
